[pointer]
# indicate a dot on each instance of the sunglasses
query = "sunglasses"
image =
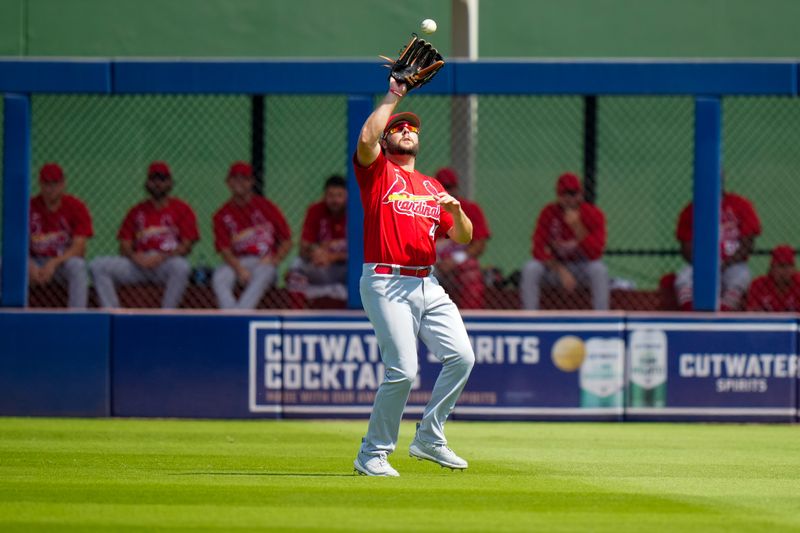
(158, 176)
(399, 127)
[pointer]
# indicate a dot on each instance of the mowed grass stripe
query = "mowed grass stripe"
(117, 474)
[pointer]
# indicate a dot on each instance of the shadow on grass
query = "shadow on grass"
(286, 474)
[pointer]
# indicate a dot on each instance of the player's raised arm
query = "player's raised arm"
(369, 140)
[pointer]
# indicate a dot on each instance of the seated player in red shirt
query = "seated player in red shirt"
(320, 270)
(60, 226)
(568, 244)
(739, 227)
(252, 236)
(154, 240)
(457, 266)
(779, 290)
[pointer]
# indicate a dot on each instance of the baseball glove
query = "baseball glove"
(417, 64)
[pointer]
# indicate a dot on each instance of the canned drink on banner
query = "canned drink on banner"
(647, 373)
(601, 374)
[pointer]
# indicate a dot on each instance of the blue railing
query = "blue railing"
(707, 81)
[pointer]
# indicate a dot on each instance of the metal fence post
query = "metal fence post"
(358, 109)
(16, 199)
(707, 200)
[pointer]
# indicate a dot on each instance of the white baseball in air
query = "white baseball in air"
(428, 26)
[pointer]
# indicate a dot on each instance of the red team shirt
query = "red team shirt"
(554, 239)
(322, 226)
(153, 229)
(254, 229)
(52, 231)
(401, 217)
(763, 295)
(738, 219)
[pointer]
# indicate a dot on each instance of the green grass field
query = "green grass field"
(123, 475)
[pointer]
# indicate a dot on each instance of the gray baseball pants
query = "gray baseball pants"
(315, 281)
(593, 274)
(173, 273)
(401, 310)
(735, 279)
(71, 273)
(262, 276)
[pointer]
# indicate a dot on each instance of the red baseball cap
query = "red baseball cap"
(240, 168)
(447, 177)
(783, 255)
(398, 118)
(159, 167)
(51, 173)
(568, 182)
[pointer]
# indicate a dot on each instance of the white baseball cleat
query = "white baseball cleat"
(374, 465)
(438, 453)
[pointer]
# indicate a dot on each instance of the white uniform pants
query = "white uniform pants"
(403, 309)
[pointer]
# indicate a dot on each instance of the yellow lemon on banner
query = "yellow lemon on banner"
(568, 353)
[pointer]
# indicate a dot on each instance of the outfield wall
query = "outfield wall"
(529, 366)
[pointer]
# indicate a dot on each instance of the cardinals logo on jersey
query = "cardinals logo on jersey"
(411, 205)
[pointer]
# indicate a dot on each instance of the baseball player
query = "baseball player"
(568, 243)
(252, 236)
(60, 226)
(321, 268)
(739, 226)
(405, 212)
(154, 240)
(779, 290)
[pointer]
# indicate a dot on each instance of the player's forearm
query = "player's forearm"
(76, 249)
(580, 231)
(126, 249)
(554, 265)
(282, 251)
(183, 248)
(462, 228)
(230, 259)
(373, 128)
(338, 257)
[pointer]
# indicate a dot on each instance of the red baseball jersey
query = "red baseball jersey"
(554, 239)
(480, 230)
(256, 228)
(763, 295)
(738, 219)
(323, 227)
(52, 231)
(401, 217)
(152, 229)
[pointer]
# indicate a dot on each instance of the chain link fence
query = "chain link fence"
(639, 160)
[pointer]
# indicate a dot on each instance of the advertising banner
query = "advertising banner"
(529, 368)
(544, 368)
(722, 368)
